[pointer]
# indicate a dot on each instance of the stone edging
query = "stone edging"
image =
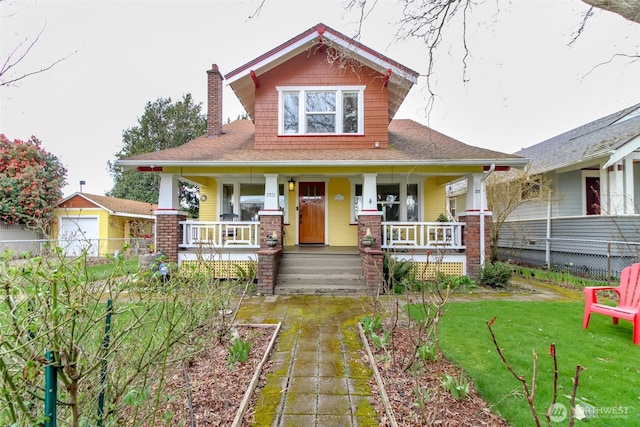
(256, 375)
(376, 374)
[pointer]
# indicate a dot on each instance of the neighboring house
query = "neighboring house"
(100, 224)
(20, 239)
(320, 162)
(594, 175)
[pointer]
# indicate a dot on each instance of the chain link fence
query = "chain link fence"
(94, 248)
(593, 259)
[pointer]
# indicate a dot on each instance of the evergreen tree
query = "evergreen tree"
(162, 125)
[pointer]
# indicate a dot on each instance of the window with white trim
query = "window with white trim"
(320, 110)
(243, 201)
(398, 202)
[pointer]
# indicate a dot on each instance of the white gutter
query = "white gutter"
(623, 151)
(131, 164)
(482, 209)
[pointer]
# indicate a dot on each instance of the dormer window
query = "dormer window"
(320, 110)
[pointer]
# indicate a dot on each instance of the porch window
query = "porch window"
(397, 202)
(250, 200)
(389, 201)
(452, 207)
(227, 199)
(320, 110)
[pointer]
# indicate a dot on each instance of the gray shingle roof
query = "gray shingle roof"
(593, 140)
(115, 205)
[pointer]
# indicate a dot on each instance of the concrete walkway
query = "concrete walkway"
(317, 377)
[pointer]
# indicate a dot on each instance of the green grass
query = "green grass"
(611, 376)
(555, 276)
(103, 271)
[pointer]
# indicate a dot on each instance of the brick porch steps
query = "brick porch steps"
(314, 273)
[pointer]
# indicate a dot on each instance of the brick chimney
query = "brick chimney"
(214, 101)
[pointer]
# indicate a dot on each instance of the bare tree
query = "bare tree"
(432, 20)
(507, 191)
(8, 69)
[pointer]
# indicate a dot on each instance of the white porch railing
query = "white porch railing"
(422, 235)
(220, 234)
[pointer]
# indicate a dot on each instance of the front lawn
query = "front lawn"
(105, 271)
(610, 381)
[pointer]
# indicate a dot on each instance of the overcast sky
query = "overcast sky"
(525, 84)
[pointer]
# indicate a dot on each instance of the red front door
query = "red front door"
(311, 212)
(593, 196)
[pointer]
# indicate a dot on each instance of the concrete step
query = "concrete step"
(333, 260)
(328, 279)
(314, 273)
(318, 269)
(320, 290)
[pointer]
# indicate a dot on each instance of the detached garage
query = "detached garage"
(100, 225)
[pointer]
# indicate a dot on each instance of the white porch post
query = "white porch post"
(271, 192)
(168, 217)
(369, 193)
(476, 192)
(168, 198)
(605, 202)
(616, 189)
(629, 191)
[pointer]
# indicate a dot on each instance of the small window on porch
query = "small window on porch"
(227, 200)
(452, 207)
(248, 203)
(251, 201)
(397, 202)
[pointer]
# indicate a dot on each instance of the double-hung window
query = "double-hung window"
(320, 110)
(398, 202)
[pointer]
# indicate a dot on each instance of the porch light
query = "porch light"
(292, 184)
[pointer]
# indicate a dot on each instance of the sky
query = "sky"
(524, 81)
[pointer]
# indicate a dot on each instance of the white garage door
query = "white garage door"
(77, 235)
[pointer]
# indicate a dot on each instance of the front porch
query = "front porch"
(400, 236)
(331, 212)
(229, 249)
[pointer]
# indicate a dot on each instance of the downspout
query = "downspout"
(482, 208)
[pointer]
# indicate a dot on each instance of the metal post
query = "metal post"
(608, 262)
(103, 368)
(50, 390)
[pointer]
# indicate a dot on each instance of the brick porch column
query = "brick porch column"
(169, 232)
(372, 257)
(471, 238)
(269, 258)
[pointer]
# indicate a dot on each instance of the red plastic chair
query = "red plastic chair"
(628, 306)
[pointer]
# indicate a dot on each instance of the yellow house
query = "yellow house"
(100, 225)
(321, 163)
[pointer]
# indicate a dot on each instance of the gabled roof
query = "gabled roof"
(401, 78)
(115, 206)
(410, 143)
(611, 137)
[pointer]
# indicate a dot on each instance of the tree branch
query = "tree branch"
(10, 62)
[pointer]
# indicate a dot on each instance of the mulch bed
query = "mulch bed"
(439, 408)
(215, 389)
